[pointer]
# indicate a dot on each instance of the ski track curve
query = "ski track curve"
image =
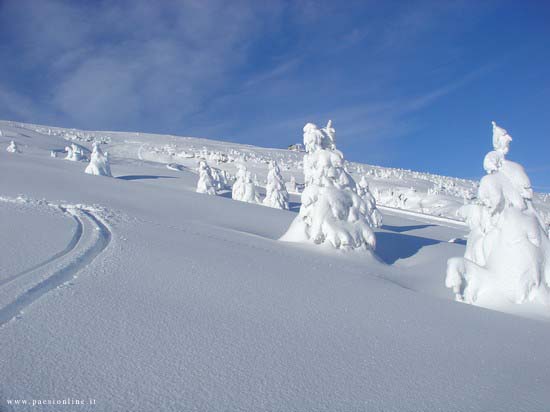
(65, 273)
(68, 249)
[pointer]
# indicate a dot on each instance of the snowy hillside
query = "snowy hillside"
(135, 293)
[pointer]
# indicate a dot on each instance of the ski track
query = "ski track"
(65, 273)
(68, 249)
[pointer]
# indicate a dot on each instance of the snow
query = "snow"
(171, 300)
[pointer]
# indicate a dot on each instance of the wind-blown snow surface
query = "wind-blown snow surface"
(186, 302)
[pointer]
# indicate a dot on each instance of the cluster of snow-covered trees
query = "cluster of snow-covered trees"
(244, 189)
(507, 257)
(74, 153)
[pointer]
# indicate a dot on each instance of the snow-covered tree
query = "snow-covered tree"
(13, 148)
(99, 162)
(373, 212)
(243, 188)
(74, 153)
(221, 178)
(276, 195)
(291, 185)
(507, 256)
(206, 184)
(332, 211)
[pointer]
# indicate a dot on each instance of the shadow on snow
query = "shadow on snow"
(391, 247)
(143, 177)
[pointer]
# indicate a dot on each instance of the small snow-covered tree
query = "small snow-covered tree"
(74, 153)
(243, 188)
(206, 184)
(221, 178)
(12, 148)
(99, 162)
(507, 258)
(332, 212)
(291, 185)
(373, 212)
(276, 195)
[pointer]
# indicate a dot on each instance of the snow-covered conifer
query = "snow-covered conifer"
(276, 195)
(507, 255)
(332, 212)
(243, 188)
(373, 212)
(206, 184)
(291, 185)
(221, 178)
(99, 162)
(13, 148)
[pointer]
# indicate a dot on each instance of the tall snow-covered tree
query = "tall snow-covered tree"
(332, 211)
(507, 256)
(99, 162)
(12, 148)
(243, 188)
(206, 184)
(276, 195)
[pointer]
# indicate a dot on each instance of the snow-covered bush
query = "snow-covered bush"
(12, 148)
(507, 256)
(332, 211)
(276, 195)
(74, 153)
(363, 191)
(206, 184)
(243, 188)
(99, 162)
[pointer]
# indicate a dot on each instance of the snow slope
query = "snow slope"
(144, 295)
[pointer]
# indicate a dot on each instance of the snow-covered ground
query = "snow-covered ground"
(141, 294)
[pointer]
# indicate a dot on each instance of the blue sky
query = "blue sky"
(407, 84)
